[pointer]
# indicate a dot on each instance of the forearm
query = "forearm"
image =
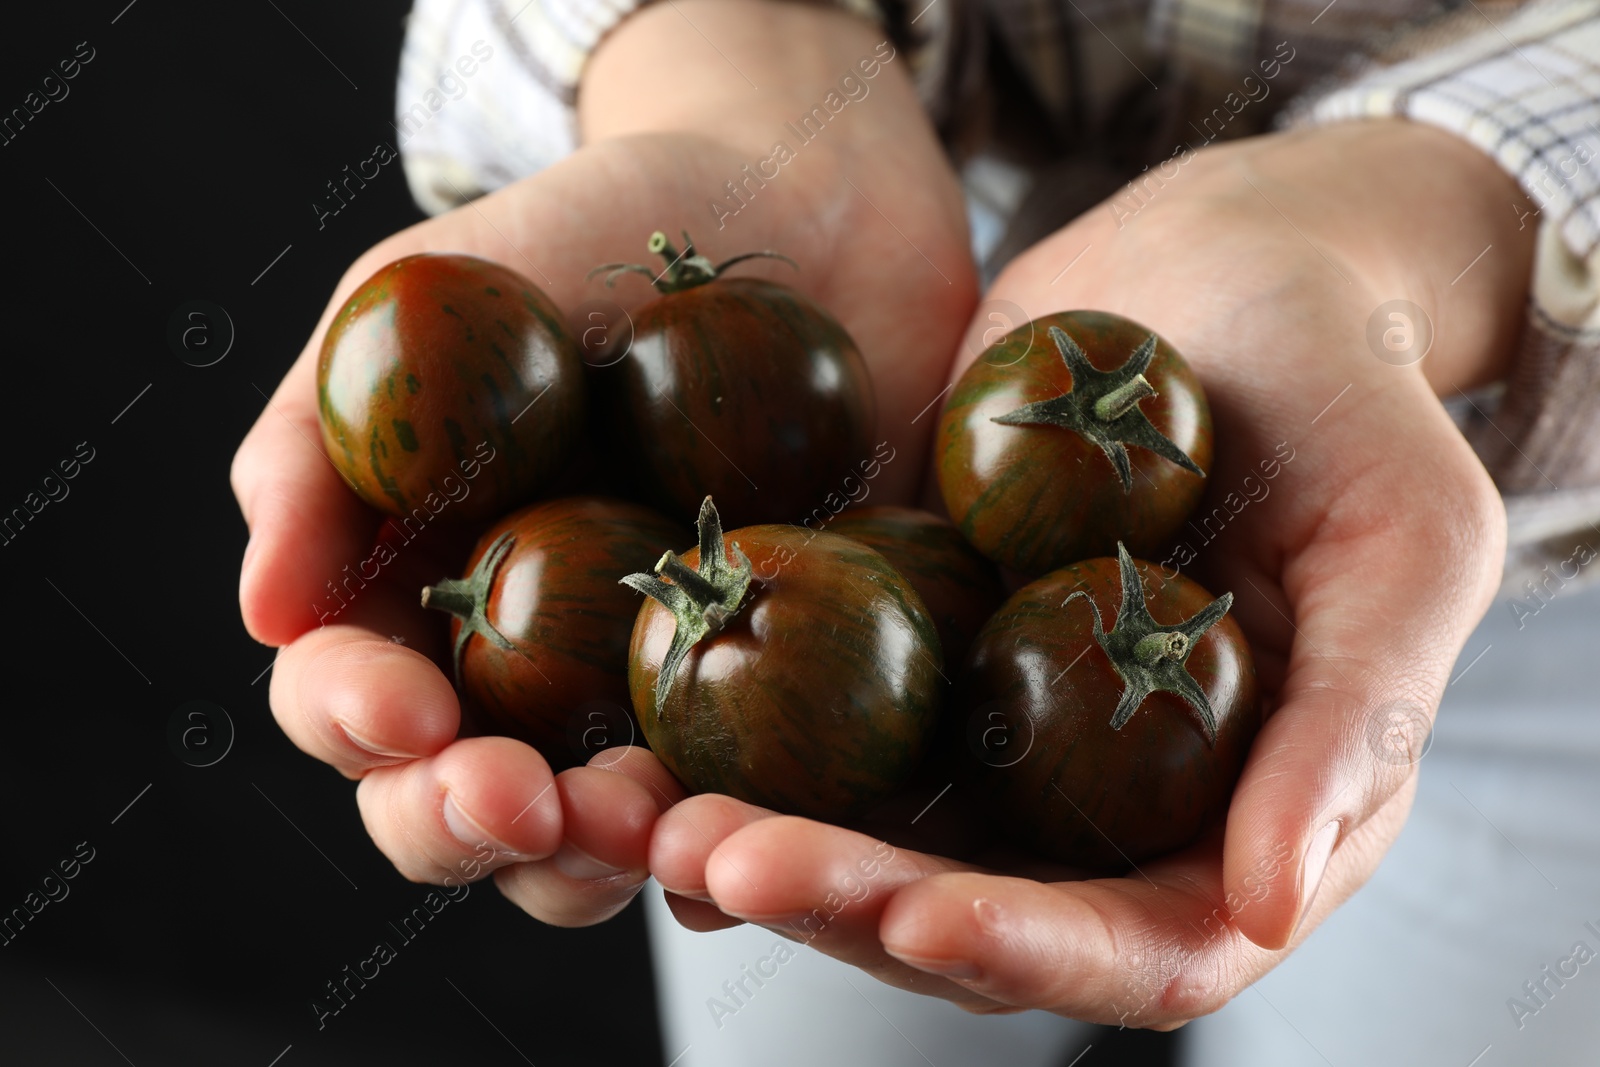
(753, 75)
(807, 91)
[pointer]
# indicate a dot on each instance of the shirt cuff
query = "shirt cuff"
(1525, 91)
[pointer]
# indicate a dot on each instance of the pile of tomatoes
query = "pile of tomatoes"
(813, 668)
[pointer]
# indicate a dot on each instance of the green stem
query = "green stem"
(684, 270)
(451, 595)
(1163, 645)
(701, 601)
(1123, 398)
(698, 588)
(661, 245)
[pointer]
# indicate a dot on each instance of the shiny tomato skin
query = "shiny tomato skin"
(1034, 498)
(818, 698)
(741, 389)
(960, 588)
(1055, 775)
(556, 598)
(427, 373)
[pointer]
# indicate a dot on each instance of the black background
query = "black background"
(185, 157)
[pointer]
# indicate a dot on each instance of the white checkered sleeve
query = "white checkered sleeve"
(1526, 91)
(460, 134)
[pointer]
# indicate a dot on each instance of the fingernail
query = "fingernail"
(465, 829)
(580, 866)
(958, 969)
(371, 748)
(690, 894)
(1316, 863)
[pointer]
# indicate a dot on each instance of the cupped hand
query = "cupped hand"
(1359, 535)
(358, 682)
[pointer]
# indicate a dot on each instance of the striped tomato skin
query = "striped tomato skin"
(818, 698)
(741, 389)
(449, 384)
(1033, 497)
(960, 588)
(562, 686)
(1036, 748)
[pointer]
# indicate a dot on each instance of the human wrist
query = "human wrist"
(1432, 220)
(737, 71)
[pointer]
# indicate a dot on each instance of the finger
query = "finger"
(609, 815)
(642, 766)
(1116, 952)
(609, 809)
(358, 698)
(826, 887)
(1152, 950)
(482, 803)
(1377, 626)
(686, 837)
(306, 524)
(287, 486)
(789, 871)
(698, 916)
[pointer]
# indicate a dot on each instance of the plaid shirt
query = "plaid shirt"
(1068, 90)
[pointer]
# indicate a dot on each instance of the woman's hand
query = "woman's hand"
(361, 688)
(1359, 566)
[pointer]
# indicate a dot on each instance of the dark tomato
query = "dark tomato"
(1033, 495)
(960, 588)
(542, 625)
(742, 389)
(814, 694)
(446, 371)
(1041, 694)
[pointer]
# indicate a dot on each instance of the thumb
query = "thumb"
(1401, 562)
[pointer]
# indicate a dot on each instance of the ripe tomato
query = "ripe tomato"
(742, 389)
(807, 681)
(541, 625)
(1074, 431)
(960, 588)
(446, 371)
(1104, 749)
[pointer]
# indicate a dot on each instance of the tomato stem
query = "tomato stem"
(699, 590)
(1123, 398)
(683, 270)
(1102, 407)
(452, 596)
(466, 598)
(1150, 657)
(1160, 647)
(701, 600)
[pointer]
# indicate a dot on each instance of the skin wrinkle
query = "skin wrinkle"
(1222, 955)
(348, 658)
(324, 727)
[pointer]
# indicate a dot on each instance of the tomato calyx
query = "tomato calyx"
(702, 601)
(1151, 657)
(684, 270)
(465, 598)
(1103, 408)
